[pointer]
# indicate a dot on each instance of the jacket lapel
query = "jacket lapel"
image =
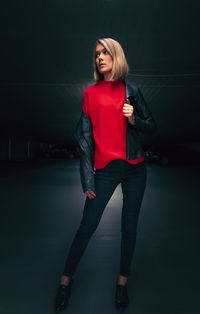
(128, 90)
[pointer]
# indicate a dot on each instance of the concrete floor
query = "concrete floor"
(41, 207)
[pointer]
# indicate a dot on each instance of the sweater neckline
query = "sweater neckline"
(113, 83)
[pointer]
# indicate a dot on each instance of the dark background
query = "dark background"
(46, 63)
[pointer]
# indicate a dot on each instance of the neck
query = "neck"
(107, 77)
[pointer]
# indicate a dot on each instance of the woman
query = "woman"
(113, 114)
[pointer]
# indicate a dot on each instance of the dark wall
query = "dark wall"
(46, 63)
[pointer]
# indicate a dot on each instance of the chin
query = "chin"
(104, 72)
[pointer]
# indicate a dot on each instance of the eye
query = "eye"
(105, 51)
(96, 55)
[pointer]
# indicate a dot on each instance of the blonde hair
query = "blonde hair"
(120, 66)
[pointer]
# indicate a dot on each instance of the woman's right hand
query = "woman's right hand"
(90, 194)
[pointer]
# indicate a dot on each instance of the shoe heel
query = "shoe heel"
(62, 297)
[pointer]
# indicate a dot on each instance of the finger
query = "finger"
(128, 101)
(89, 191)
(90, 194)
(128, 106)
(128, 111)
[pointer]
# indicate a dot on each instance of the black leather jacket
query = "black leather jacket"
(144, 123)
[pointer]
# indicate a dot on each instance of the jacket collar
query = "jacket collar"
(129, 90)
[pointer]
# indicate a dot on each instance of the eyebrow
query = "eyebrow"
(99, 50)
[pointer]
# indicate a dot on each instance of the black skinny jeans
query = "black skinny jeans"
(133, 182)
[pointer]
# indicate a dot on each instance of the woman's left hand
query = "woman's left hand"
(128, 112)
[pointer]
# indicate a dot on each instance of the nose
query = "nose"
(100, 56)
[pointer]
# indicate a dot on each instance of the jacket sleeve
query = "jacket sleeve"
(144, 122)
(84, 137)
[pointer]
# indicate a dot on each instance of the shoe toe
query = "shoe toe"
(121, 297)
(62, 298)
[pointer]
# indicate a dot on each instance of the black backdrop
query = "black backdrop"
(46, 62)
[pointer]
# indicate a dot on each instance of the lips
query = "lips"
(101, 64)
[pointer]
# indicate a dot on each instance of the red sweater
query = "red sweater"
(102, 104)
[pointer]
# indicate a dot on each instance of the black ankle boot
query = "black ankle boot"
(121, 297)
(62, 296)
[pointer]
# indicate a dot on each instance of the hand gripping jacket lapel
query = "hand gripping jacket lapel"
(144, 123)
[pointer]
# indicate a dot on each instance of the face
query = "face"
(103, 60)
